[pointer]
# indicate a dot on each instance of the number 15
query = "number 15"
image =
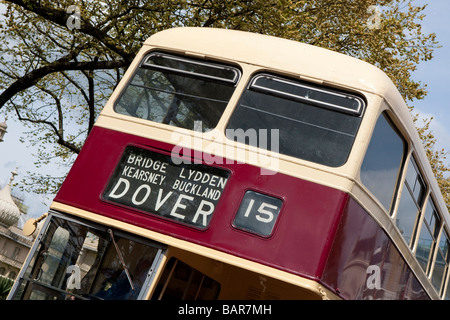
(262, 210)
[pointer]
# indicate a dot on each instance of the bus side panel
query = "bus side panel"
(301, 238)
(365, 264)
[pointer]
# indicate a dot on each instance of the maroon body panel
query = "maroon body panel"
(365, 264)
(320, 233)
(302, 235)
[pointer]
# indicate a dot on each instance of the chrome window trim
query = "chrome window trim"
(234, 80)
(283, 94)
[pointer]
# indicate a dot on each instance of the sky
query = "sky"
(434, 73)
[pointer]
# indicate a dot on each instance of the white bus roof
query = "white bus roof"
(280, 54)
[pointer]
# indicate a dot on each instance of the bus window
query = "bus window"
(411, 202)
(428, 235)
(442, 261)
(310, 122)
(79, 261)
(180, 281)
(179, 91)
(382, 163)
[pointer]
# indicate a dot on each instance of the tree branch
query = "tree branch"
(61, 141)
(60, 17)
(31, 78)
(91, 101)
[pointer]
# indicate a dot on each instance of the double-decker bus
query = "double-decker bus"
(232, 165)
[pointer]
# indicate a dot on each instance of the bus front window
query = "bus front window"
(75, 260)
(179, 91)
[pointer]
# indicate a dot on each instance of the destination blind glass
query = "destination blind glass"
(150, 182)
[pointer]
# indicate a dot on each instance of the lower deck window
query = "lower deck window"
(76, 260)
(182, 282)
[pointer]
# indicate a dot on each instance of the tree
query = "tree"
(436, 157)
(61, 60)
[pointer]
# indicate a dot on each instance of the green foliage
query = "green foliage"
(5, 286)
(436, 157)
(57, 80)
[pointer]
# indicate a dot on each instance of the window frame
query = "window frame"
(22, 278)
(435, 233)
(445, 285)
(168, 279)
(237, 73)
(446, 272)
(143, 65)
(405, 187)
(252, 87)
(296, 97)
(390, 120)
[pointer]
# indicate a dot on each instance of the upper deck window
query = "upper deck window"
(411, 202)
(428, 235)
(442, 262)
(312, 122)
(179, 91)
(382, 163)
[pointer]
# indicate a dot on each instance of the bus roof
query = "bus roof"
(277, 53)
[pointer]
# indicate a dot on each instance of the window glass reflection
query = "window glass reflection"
(78, 261)
(441, 264)
(383, 161)
(411, 202)
(179, 281)
(179, 92)
(406, 216)
(428, 235)
(297, 119)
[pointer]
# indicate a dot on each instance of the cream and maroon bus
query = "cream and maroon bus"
(232, 165)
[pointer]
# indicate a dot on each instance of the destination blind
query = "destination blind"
(151, 183)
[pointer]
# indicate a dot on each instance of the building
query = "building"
(3, 128)
(14, 246)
